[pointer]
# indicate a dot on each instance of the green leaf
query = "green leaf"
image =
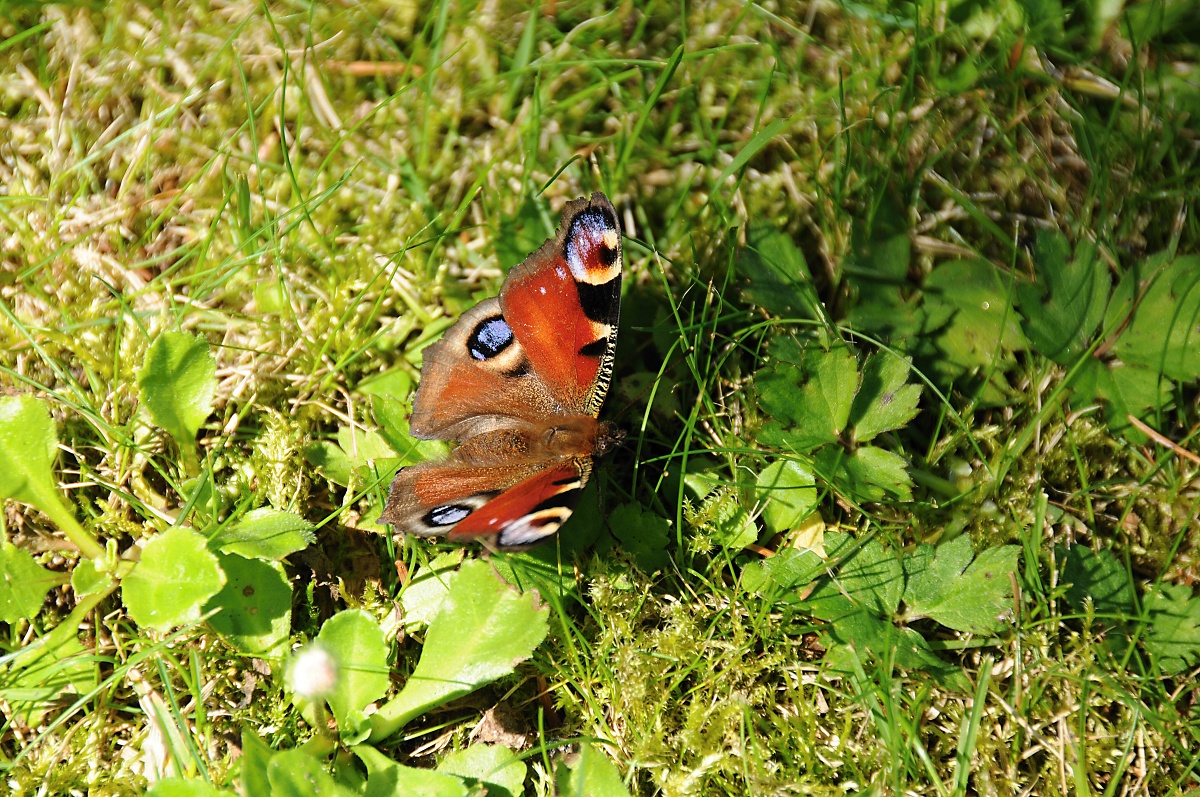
(422, 596)
(1124, 389)
(815, 398)
(255, 605)
(591, 774)
(265, 533)
(982, 330)
(178, 787)
(330, 460)
(643, 534)
(176, 575)
(23, 584)
(789, 492)
(40, 677)
(28, 445)
(945, 585)
(884, 402)
(1174, 623)
(177, 384)
(1099, 576)
(294, 773)
(869, 576)
(386, 778)
(868, 474)
(484, 629)
(787, 570)
(1064, 310)
(853, 627)
(498, 768)
(357, 643)
(88, 579)
(1164, 331)
(256, 757)
(777, 276)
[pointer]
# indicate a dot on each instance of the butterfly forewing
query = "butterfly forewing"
(564, 301)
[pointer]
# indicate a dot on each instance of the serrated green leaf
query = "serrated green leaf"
(789, 494)
(265, 533)
(867, 474)
(945, 585)
(777, 277)
(177, 383)
(814, 399)
(1163, 334)
(1064, 310)
(789, 569)
(853, 627)
(591, 774)
(1099, 576)
(643, 534)
(255, 605)
(884, 402)
(361, 445)
(330, 460)
(867, 577)
(1174, 627)
(483, 630)
(23, 584)
(357, 644)
(176, 575)
(498, 768)
(1123, 389)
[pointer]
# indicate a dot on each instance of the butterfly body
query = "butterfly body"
(519, 381)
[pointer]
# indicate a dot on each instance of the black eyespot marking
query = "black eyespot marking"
(446, 515)
(601, 303)
(596, 348)
(608, 254)
(492, 336)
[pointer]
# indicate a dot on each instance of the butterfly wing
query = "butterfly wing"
(477, 378)
(563, 303)
(506, 507)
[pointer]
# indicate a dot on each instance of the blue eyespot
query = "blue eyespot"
(492, 336)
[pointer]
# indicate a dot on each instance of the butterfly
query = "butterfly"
(518, 382)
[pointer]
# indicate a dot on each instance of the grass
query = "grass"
(318, 190)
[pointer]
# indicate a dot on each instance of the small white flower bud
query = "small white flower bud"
(313, 673)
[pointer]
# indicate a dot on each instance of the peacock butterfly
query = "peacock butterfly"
(518, 382)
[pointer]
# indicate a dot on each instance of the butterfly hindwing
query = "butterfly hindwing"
(485, 504)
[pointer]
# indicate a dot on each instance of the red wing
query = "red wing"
(563, 302)
(505, 506)
(529, 512)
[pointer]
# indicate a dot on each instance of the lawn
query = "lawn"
(908, 360)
